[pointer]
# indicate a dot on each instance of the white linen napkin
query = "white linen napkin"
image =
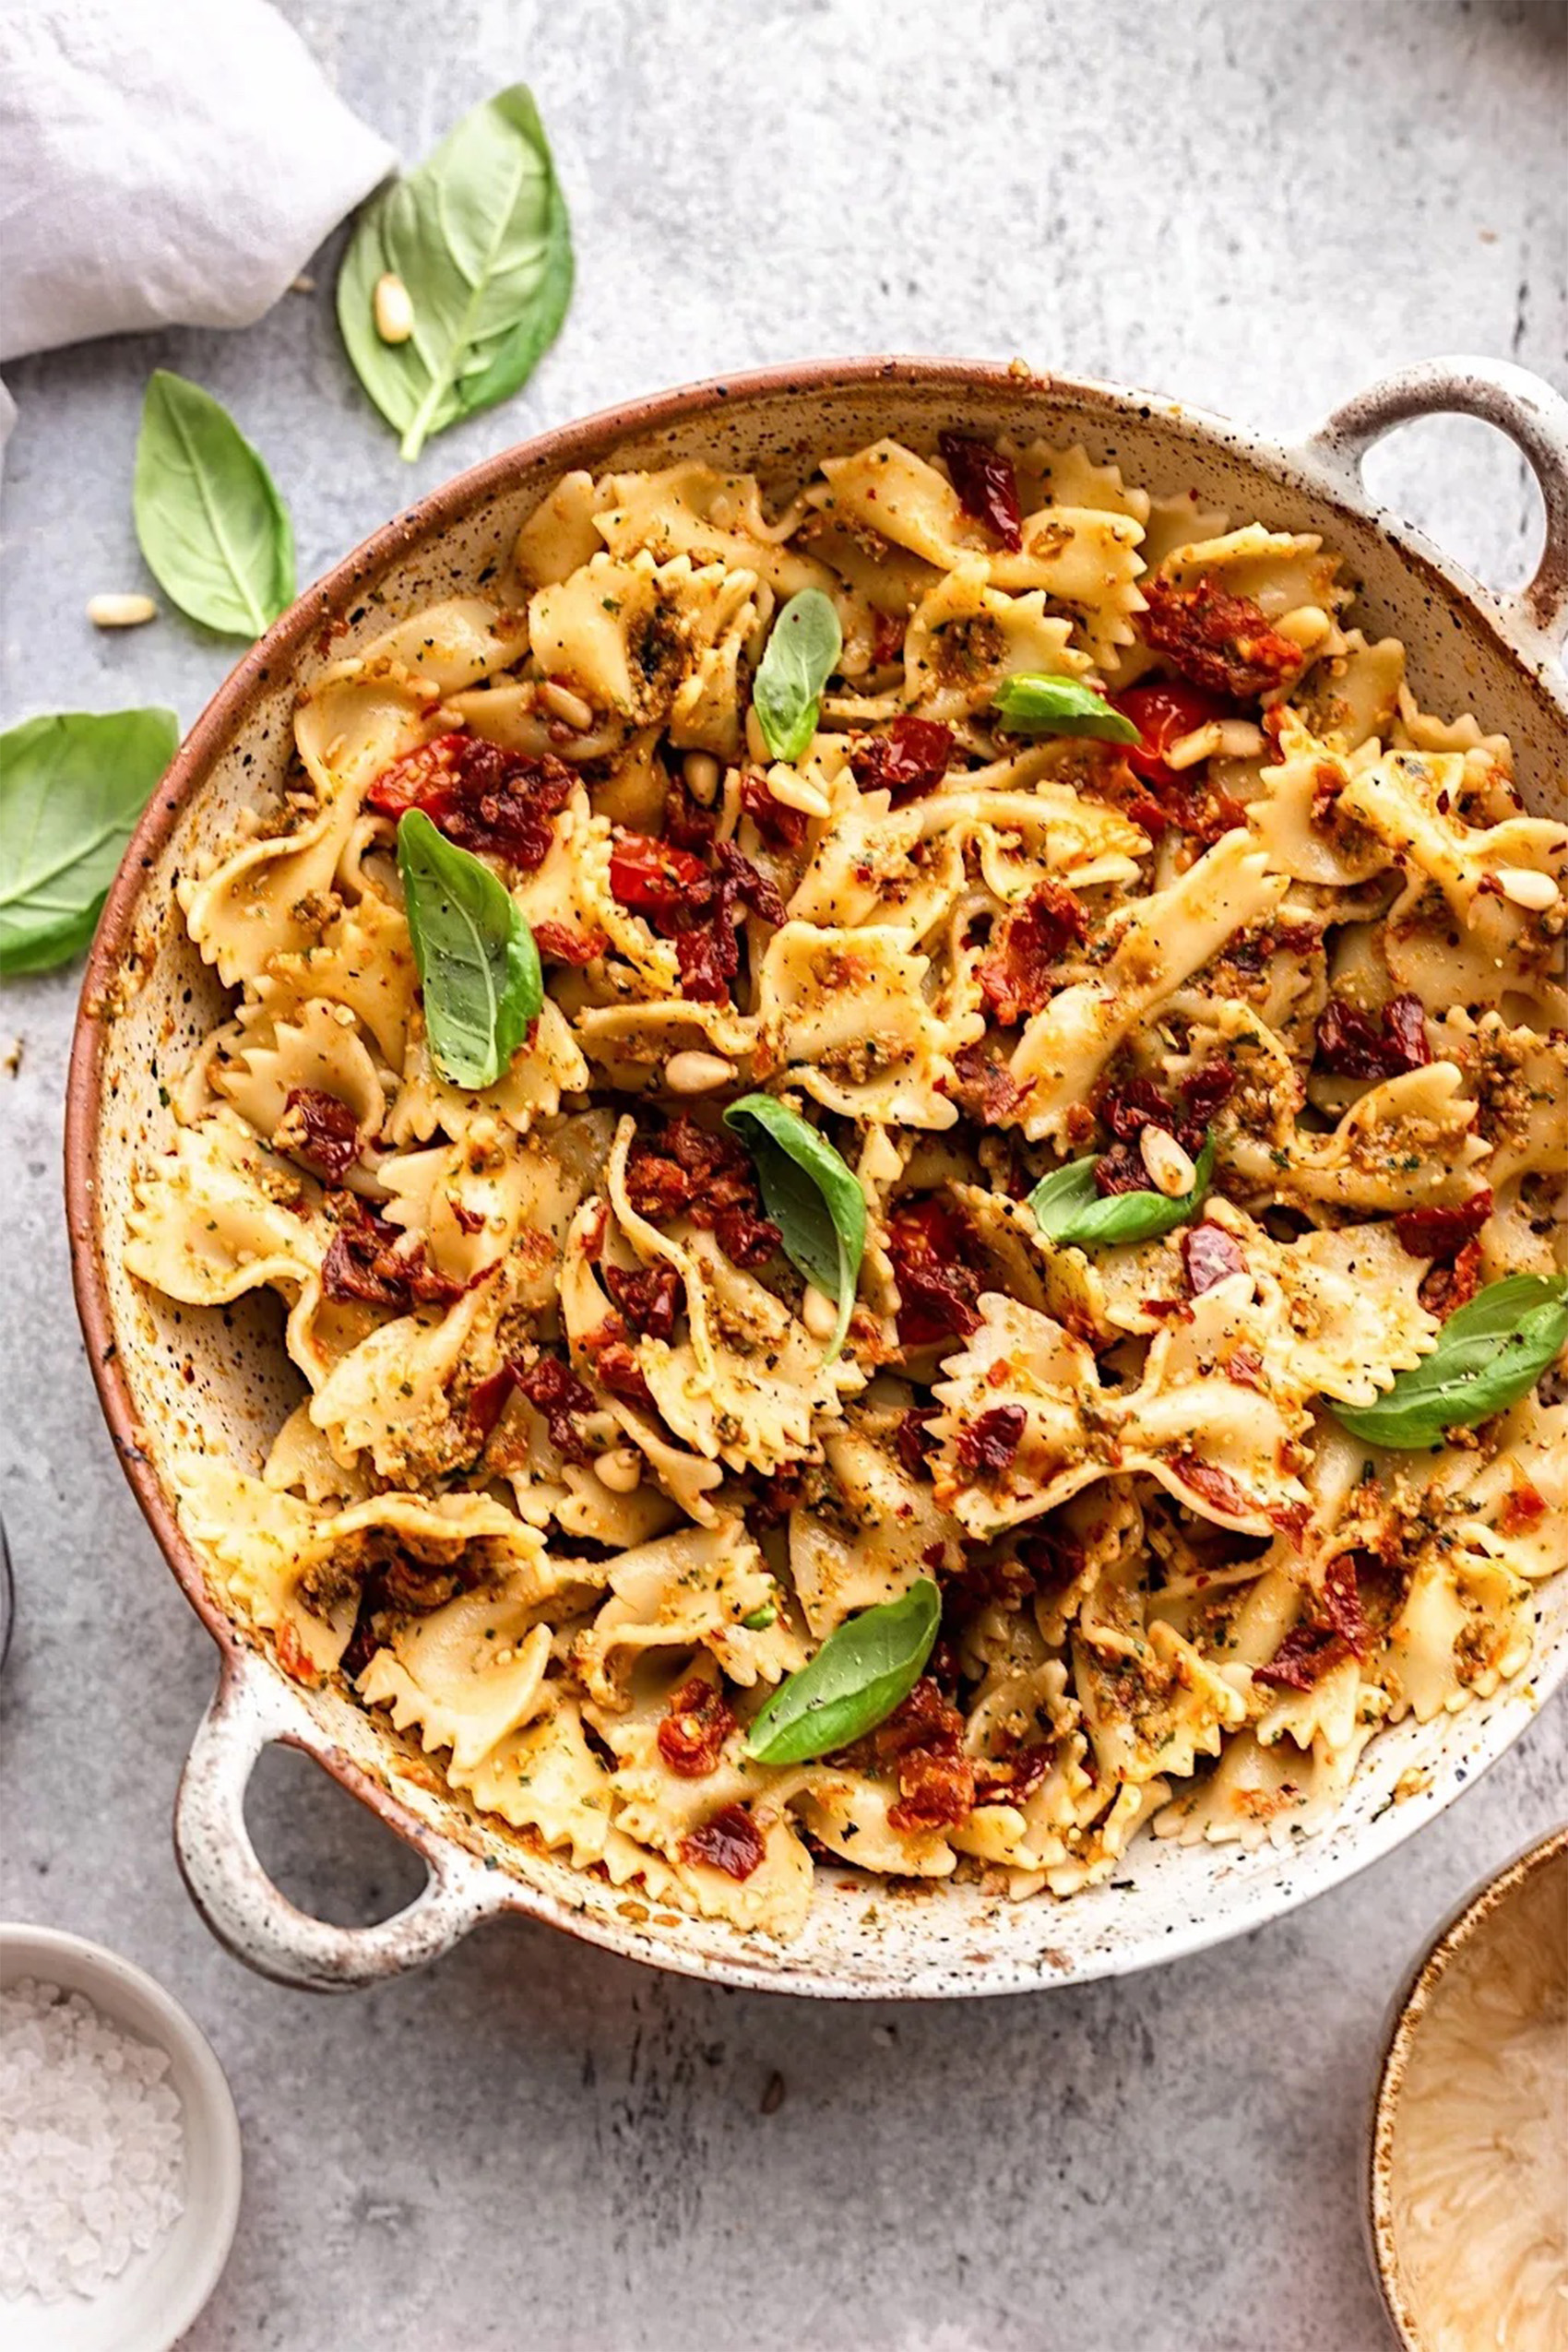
(163, 162)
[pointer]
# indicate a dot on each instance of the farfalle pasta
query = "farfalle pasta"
(1185, 1008)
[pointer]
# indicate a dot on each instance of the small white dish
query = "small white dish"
(155, 2299)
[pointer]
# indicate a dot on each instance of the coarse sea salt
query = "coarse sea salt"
(92, 2144)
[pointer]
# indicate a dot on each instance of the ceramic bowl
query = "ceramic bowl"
(150, 2304)
(1468, 1930)
(166, 1374)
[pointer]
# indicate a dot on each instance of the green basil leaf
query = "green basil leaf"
(215, 535)
(479, 235)
(798, 660)
(1488, 1355)
(71, 789)
(1035, 704)
(811, 1196)
(1069, 1211)
(478, 963)
(862, 1671)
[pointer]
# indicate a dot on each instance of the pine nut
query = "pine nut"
(792, 791)
(120, 612)
(1306, 626)
(394, 311)
(621, 1470)
(566, 705)
(1526, 887)
(756, 741)
(696, 1072)
(701, 771)
(1238, 739)
(1170, 1170)
(818, 1313)
(1187, 750)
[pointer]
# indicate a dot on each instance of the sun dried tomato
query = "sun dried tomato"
(1217, 1487)
(709, 958)
(1443, 1232)
(932, 1247)
(486, 1402)
(654, 878)
(1220, 642)
(554, 1390)
(482, 797)
(984, 1088)
(910, 760)
(1444, 1288)
(783, 1491)
(747, 1239)
(1210, 1255)
(1244, 1366)
(615, 1363)
(1524, 1506)
(1341, 1602)
(1018, 974)
(647, 1297)
(741, 882)
(987, 1445)
(924, 1738)
(1163, 711)
(888, 637)
(689, 1171)
(694, 1729)
(320, 1131)
(369, 1260)
(986, 485)
(780, 827)
(1304, 1656)
(912, 1441)
(559, 945)
(1012, 1777)
(730, 1842)
(1351, 1045)
(686, 823)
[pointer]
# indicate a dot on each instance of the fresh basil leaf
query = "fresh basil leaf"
(798, 660)
(1488, 1355)
(811, 1196)
(1069, 1211)
(478, 963)
(862, 1671)
(215, 535)
(1035, 704)
(71, 789)
(480, 238)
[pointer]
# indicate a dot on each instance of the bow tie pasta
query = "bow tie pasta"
(1184, 1010)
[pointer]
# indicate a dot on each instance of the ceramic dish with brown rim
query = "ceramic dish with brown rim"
(176, 1380)
(1467, 2183)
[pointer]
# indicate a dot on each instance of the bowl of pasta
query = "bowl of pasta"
(816, 1164)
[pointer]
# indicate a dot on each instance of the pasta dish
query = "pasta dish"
(913, 1140)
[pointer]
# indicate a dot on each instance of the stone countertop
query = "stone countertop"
(533, 2144)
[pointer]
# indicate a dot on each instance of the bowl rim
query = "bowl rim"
(1308, 466)
(1411, 2003)
(99, 1973)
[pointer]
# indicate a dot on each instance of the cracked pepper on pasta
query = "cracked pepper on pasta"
(576, 1481)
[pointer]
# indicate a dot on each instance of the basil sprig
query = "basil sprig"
(798, 660)
(71, 789)
(862, 1671)
(1488, 1355)
(1032, 703)
(811, 1195)
(478, 963)
(480, 238)
(1068, 1210)
(216, 534)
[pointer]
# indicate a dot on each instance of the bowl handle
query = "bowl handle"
(248, 1912)
(1529, 411)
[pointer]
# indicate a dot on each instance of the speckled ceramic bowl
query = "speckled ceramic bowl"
(1470, 1928)
(164, 1369)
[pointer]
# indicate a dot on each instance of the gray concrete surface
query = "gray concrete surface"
(532, 2145)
